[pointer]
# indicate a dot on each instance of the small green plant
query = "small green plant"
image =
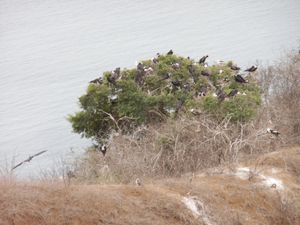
(161, 88)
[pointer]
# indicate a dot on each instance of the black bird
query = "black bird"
(140, 74)
(193, 73)
(202, 91)
(187, 87)
(234, 67)
(240, 79)
(221, 95)
(165, 76)
(179, 104)
(191, 69)
(202, 60)
(176, 83)
(117, 71)
(111, 79)
(140, 66)
(170, 52)
(155, 60)
(233, 93)
(205, 73)
(251, 69)
(97, 81)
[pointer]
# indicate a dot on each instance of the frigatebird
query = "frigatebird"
(97, 81)
(221, 95)
(202, 60)
(170, 52)
(240, 79)
(117, 71)
(29, 159)
(205, 73)
(234, 67)
(233, 93)
(251, 69)
(176, 83)
(179, 104)
(111, 79)
(165, 76)
(191, 69)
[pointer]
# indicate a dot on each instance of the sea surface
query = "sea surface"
(51, 49)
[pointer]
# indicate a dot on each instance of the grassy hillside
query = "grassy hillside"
(261, 191)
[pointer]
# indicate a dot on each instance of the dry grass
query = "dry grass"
(222, 198)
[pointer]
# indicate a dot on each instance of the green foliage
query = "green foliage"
(129, 102)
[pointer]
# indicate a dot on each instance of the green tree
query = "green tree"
(166, 86)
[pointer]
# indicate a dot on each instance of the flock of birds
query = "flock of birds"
(143, 71)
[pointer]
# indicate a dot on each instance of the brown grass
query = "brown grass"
(226, 199)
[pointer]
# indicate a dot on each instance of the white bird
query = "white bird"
(274, 132)
(138, 182)
(195, 111)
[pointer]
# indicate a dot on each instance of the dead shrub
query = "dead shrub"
(281, 92)
(186, 144)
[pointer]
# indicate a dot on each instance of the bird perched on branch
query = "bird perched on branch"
(240, 79)
(221, 95)
(112, 78)
(202, 60)
(176, 83)
(234, 67)
(165, 76)
(170, 52)
(97, 81)
(251, 69)
(233, 93)
(140, 74)
(179, 105)
(205, 73)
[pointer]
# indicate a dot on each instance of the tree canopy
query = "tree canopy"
(162, 87)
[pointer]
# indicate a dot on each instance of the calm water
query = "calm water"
(49, 50)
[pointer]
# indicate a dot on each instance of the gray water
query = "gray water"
(50, 50)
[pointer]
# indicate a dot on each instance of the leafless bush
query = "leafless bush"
(281, 91)
(186, 144)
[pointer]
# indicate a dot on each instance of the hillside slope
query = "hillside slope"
(261, 191)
